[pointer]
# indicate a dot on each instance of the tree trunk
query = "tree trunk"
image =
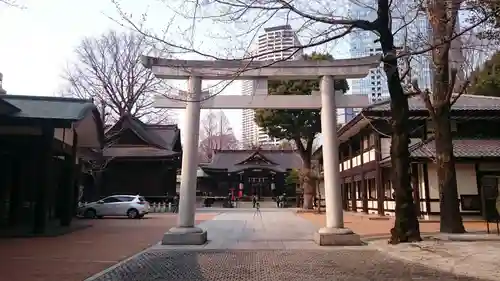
(308, 185)
(442, 28)
(451, 220)
(406, 227)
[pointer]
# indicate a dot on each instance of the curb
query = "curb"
(467, 237)
(113, 267)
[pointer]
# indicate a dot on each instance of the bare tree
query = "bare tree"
(319, 24)
(216, 134)
(12, 3)
(109, 71)
(450, 81)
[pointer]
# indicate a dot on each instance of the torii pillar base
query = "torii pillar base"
(337, 237)
(184, 236)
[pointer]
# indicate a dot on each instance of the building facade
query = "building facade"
(276, 43)
(43, 144)
(257, 172)
(365, 161)
(140, 159)
(412, 37)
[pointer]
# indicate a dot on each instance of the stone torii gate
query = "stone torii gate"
(334, 233)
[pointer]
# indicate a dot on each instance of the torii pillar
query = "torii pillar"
(334, 233)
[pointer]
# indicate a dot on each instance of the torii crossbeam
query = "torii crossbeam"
(334, 233)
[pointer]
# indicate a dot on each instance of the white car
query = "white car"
(132, 206)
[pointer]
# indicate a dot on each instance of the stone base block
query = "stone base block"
(337, 237)
(184, 236)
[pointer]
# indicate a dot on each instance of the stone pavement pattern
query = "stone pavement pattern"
(480, 259)
(274, 246)
(269, 265)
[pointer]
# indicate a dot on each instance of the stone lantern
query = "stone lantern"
(2, 91)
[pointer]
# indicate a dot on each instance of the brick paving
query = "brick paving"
(264, 265)
(78, 255)
(371, 226)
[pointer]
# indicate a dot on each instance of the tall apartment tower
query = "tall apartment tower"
(411, 36)
(276, 43)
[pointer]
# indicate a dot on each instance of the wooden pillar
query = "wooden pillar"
(343, 185)
(16, 189)
(379, 177)
(416, 187)
(68, 187)
(353, 183)
(425, 170)
(76, 184)
(364, 187)
(44, 173)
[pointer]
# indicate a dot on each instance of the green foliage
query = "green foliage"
(486, 81)
(293, 178)
(293, 124)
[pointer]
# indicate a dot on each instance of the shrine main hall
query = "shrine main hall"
(246, 173)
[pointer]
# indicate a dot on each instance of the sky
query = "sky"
(38, 41)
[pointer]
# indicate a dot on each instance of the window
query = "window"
(125, 198)
(111, 200)
(372, 140)
(365, 143)
(372, 189)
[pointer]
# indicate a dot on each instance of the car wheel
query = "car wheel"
(90, 214)
(132, 214)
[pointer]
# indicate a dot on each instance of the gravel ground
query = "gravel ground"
(245, 265)
(479, 259)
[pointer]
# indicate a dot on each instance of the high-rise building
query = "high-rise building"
(412, 29)
(276, 43)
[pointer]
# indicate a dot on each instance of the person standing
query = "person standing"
(254, 200)
(176, 203)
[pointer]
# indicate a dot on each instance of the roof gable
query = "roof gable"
(231, 159)
(159, 136)
(256, 158)
(7, 108)
(154, 140)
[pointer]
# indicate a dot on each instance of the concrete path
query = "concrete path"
(270, 246)
(478, 259)
(248, 229)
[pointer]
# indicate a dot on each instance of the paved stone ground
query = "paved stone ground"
(263, 265)
(247, 229)
(274, 246)
(80, 254)
(480, 259)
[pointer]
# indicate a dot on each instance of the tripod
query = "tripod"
(257, 211)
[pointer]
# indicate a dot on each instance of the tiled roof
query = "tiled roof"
(462, 148)
(161, 138)
(464, 102)
(142, 151)
(228, 159)
(52, 108)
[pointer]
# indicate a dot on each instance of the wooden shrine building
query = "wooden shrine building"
(365, 156)
(248, 172)
(140, 158)
(43, 140)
